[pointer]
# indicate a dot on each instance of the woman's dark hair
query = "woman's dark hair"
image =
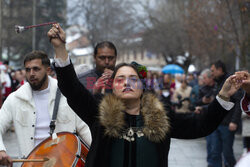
(132, 66)
(37, 55)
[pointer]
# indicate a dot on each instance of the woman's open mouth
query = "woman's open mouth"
(127, 90)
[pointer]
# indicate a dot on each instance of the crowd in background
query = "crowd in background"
(192, 92)
(10, 80)
(180, 91)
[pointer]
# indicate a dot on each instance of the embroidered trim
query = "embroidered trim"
(129, 133)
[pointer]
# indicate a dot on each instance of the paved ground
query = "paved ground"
(183, 153)
(10, 142)
(192, 153)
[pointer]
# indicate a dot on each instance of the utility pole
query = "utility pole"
(34, 23)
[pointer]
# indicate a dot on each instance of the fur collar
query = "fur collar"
(156, 122)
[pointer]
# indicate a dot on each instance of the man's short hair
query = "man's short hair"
(104, 44)
(220, 64)
(37, 54)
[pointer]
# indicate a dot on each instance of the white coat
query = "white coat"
(245, 118)
(19, 108)
(245, 125)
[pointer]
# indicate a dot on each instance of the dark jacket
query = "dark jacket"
(234, 114)
(194, 95)
(206, 91)
(89, 78)
(106, 119)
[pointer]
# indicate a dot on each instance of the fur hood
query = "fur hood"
(156, 122)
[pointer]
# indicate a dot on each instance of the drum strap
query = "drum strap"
(52, 125)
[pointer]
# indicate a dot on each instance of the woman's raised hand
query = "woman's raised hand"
(230, 86)
(57, 38)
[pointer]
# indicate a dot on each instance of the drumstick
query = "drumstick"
(103, 88)
(30, 160)
(20, 29)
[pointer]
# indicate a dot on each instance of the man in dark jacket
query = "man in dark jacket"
(94, 80)
(207, 94)
(207, 91)
(223, 137)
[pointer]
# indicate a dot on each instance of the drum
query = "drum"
(66, 150)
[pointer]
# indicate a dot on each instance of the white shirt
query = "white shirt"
(42, 115)
(244, 161)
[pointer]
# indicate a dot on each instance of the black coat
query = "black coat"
(206, 91)
(89, 78)
(182, 126)
(235, 113)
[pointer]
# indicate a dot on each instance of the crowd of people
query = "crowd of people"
(10, 80)
(126, 114)
(192, 93)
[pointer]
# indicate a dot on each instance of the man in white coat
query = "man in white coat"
(31, 108)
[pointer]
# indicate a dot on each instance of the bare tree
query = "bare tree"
(217, 30)
(165, 32)
(16, 46)
(207, 30)
(112, 20)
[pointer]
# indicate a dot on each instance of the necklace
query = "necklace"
(129, 133)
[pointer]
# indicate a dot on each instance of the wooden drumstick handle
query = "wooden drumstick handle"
(30, 160)
(103, 90)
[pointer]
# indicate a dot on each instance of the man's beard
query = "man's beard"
(39, 85)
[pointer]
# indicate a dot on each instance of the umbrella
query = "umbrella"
(172, 69)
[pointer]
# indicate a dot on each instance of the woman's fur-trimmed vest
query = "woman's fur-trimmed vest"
(156, 122)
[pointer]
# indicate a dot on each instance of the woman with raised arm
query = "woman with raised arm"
(130, 127)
